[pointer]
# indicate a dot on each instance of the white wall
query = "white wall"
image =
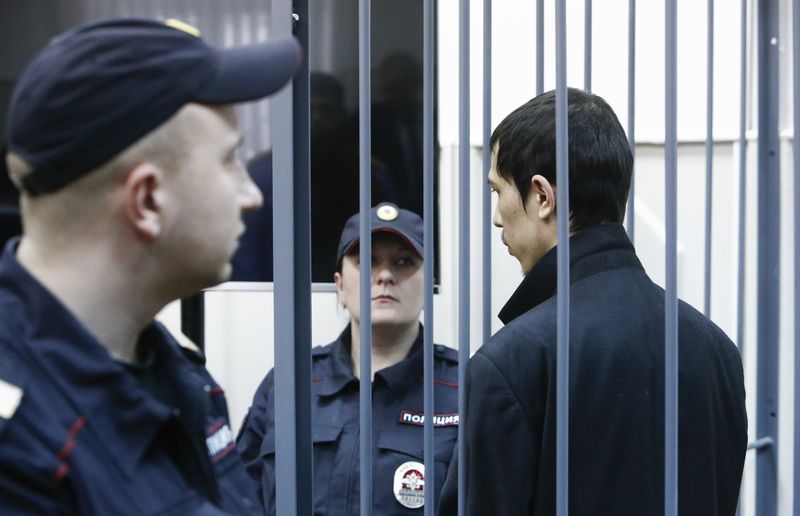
(239, 331)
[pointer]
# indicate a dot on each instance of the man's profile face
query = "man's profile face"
(522, 230)
(210, 191)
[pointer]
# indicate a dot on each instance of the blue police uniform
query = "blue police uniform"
(79, 435)
(397, 394)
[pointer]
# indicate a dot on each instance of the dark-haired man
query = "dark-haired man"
(616, 425)
(122, 140)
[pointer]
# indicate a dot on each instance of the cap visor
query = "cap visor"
(252, 72)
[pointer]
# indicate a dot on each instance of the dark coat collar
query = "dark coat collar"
(340, 373)
(592, 250)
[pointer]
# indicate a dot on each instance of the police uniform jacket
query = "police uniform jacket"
(397, 401)
(79, 435)
(616, 401)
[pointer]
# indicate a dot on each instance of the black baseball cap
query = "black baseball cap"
(386, 218)
(100, 87)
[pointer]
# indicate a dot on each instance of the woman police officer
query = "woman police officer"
(399, 477)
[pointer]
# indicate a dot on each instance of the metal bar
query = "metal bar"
(428, 99)
(365, 252)
(740, 315)
(587, 45)
(671, 294)
(562, 252)
(631, 219)
(768, 299)
(709, 156)
(464, 235)
(193, 322)
(487, 161)
(796, 192)
(539, 47)
(758, 444)
(291, 198)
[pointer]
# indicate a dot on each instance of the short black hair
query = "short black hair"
(600, 158)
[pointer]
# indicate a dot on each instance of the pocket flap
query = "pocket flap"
(412, 443)
(319, 434)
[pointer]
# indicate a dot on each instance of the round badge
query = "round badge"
(387, 212)
(409, 485)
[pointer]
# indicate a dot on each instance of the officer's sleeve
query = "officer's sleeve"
(500, 458)
(260, 421)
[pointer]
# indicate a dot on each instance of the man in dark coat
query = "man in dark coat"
(616, 401)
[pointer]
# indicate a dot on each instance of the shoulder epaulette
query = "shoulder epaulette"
(446, 353)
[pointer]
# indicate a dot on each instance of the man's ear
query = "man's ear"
(144, 199)
(542, 197)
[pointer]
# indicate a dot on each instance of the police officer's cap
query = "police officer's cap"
(98, 88)
(388, 218)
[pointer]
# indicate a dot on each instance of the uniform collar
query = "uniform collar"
(592, 250)
(99, 389)
(397, 377)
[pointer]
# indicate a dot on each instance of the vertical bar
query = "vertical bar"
(487, 161)
(463, 239)
(562, 252)
(671, 294)
(631, 112)
(587, 45)
(709, 155)
(539, 47)
(291, 198)
(428, 136)
(796, 191)
(365, 251)
(768, 304)
(740, 315)
(742, 201)
(193, 323)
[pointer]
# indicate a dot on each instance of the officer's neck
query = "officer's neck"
(390, 345)
(107, 303)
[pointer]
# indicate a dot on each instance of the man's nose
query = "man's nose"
(496, 219)
(250, 196)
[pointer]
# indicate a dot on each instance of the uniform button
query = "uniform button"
(207, 388)
(176, 412)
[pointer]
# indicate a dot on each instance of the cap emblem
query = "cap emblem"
(182, 26)
(387, 212)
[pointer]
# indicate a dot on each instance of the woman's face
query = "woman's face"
(397, 282)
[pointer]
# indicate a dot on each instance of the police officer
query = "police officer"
(122, 140)
(397, 385)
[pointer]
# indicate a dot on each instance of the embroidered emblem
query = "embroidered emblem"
(408, 417)
(409, 484)
(219, 441)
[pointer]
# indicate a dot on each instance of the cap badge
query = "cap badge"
(182, 26)
(387, 212)
(409, 484)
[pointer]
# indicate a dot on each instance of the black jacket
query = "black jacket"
(616, 425)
